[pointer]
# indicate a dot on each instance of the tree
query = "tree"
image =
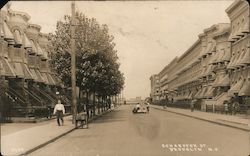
(97, 67)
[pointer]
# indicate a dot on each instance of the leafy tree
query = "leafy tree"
(97, 67)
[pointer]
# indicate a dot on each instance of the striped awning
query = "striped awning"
(224, 81)
(6, 68)
(27, 43)
(245, 90)
(8, 36)
(50, 79)
(210, 48)
(209, 92)
(221, 80)
(203, 91)
(18, 69)
(44, 77)
(197, 95)
(235, 88)
(39, 76)
(33, 72)
(18, 37)
(27, 72)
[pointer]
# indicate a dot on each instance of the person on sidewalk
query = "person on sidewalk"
(59, 110)
(236, 106)
(192, 105)
(147, 105)
(226, 106)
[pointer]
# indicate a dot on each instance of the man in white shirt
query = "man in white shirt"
(59, 110)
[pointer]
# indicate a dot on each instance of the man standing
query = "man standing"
(192, 105)
(59, 110)
(147, 105)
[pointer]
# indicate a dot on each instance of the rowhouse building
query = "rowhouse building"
(215, 68)
(28, 83)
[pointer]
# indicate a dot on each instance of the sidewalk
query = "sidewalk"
(239, 122)
(23, 138)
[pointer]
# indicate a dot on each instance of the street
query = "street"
(123, 133)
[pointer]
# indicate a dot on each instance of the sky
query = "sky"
(148, 34)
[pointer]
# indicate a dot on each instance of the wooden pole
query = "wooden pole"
(73, 62)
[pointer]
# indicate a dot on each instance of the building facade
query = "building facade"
(28, 83)
(215, 68)
(154, 93)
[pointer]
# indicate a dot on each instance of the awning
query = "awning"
(18, 37)
(27, 43)
(191, 94)
(39, 76)
(245, 28)
(197, 95)
(209, 92)
(226, 55)
(220, 56)
(217, 79)
(236, 87)
(45, 78)
(7, 69)
(18, 68)
(55, 79)
(245, 57)
(224, 81)
(202, 94)
(208, 70)
(50, 79)
(210, 48)
(27, 73)
(33, 72)
(230, 38)
(232, 61)
(221, 80)
(1, 33)
(237, 60)
(215, 57)
(8, 36)
(39, 50)
(45, 54)
(34, 49)
(245, 90)
(185, 96)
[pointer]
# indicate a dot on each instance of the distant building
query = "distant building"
(155, 91)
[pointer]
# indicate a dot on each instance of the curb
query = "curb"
(215, 122)
(61, 135)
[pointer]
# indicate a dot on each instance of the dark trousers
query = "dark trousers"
(59, 116)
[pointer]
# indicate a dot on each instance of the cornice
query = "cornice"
(24, 15)
(238, 9)
(34, 26)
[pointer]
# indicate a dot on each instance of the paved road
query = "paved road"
(159, 133)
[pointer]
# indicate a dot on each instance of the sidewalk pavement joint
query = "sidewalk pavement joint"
(199, 118)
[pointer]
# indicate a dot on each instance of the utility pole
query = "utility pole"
(73, 62)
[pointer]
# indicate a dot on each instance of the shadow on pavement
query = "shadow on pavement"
(115, 116)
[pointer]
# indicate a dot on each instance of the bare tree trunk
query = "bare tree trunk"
(94, 104)
(87, 103)
(98, 104)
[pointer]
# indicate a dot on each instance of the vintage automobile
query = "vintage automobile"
(139, 109)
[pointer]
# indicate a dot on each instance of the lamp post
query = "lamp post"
(73, 62)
